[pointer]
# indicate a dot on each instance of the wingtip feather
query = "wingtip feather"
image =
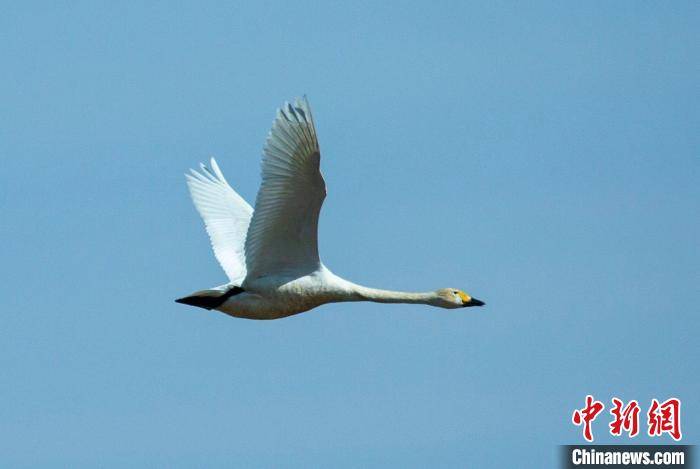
(217, 170)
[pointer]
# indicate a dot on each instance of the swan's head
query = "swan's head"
(453, 298)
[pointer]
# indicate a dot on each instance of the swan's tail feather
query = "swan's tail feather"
(210, 299)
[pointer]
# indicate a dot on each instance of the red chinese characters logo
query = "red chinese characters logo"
(665, 418)
(587, 415)
(626, 418)
(662, 417)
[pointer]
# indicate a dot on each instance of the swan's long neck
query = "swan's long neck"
(387, 296)
(349, 291)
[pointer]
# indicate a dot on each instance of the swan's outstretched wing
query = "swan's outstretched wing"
(226, 216)
(282, 237)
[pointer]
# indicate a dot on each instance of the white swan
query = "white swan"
(271, 254)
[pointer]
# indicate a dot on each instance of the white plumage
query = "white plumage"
(271, 254)
(282, 236)
(226, 216)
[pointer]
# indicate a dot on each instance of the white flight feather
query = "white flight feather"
(226, 216)
(282, 237)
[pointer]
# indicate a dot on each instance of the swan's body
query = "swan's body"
(271, 254)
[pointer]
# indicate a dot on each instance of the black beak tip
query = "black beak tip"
(474, 302)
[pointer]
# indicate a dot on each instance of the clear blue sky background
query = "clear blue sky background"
(542, 157)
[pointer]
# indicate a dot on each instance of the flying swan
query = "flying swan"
(270, 255)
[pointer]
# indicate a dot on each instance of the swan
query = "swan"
(270, 254)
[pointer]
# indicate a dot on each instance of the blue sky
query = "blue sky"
(542, 157)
